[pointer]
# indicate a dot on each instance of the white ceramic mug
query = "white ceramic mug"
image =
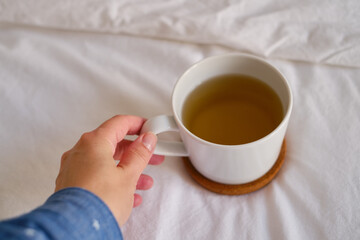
(228, 164)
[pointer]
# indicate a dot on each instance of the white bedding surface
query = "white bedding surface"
(66, 67)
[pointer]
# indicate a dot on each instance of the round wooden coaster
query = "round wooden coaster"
(238, 189)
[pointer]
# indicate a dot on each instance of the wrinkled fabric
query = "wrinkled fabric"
(316, 31)
(64, 72)
(71, 213)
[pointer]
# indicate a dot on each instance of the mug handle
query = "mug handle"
(165, 123)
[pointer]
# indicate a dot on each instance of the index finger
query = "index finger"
(116, 128)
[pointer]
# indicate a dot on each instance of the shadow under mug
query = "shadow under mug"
(227, 164)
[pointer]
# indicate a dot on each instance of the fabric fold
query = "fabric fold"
(326, 32)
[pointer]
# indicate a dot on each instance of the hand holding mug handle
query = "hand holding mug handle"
(164, 123)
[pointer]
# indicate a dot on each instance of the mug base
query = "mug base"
(236, 189)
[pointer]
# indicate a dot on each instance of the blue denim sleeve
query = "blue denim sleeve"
(71, 213)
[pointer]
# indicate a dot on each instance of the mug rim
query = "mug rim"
(243, 55)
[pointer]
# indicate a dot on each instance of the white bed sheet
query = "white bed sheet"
(65, 70)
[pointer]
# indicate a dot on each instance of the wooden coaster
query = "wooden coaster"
(238, 189)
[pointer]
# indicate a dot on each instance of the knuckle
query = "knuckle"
(140, 153)
(86, 137)
(118, 116)
(64, 157)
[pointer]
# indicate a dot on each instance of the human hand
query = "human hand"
(90, 164)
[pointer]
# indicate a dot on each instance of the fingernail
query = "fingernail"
(149, 141)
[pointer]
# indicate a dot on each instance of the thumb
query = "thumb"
(137, 155)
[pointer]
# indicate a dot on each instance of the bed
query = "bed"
(66, 66)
